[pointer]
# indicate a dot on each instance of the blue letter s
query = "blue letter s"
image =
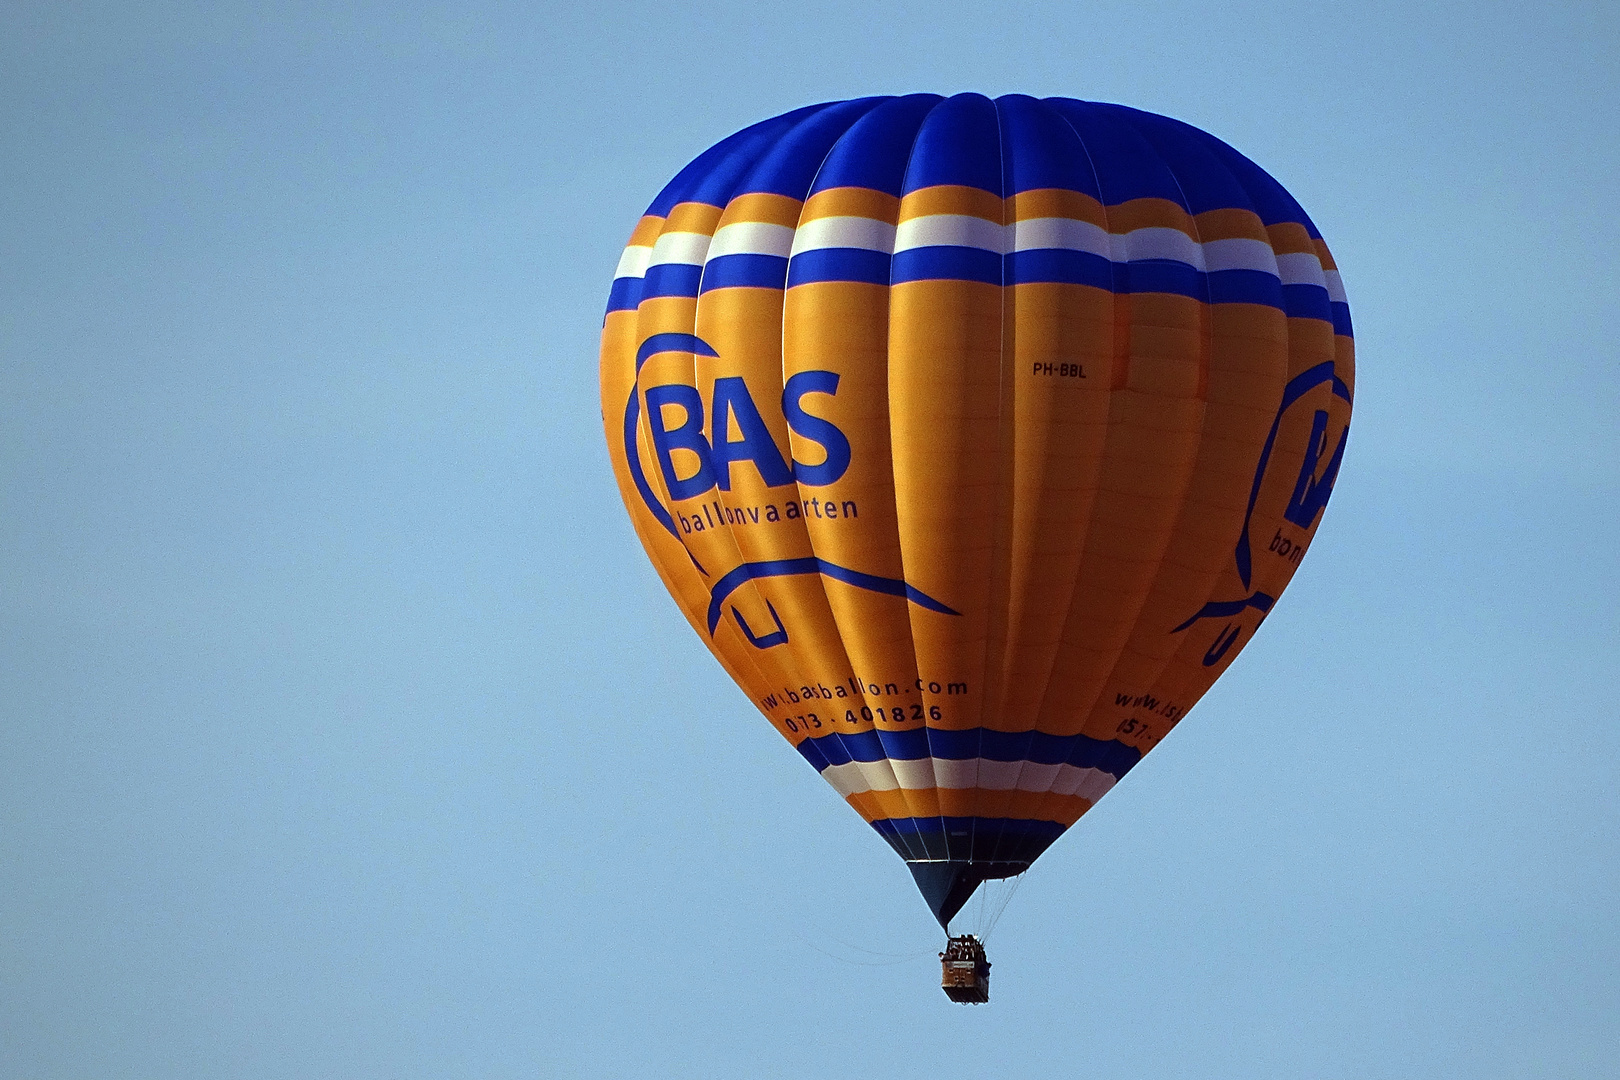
(815, 428)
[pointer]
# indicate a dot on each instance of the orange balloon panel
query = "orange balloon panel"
(975, 438)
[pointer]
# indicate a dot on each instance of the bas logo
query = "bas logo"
(731, 404)
(1310, 497)
(675, 422)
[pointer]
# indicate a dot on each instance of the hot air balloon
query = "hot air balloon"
(975, 438)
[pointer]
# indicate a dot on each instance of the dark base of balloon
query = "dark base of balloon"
(946, 886)
(979, 840)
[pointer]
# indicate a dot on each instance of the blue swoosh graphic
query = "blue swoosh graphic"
(1221, 609)
(734, 580)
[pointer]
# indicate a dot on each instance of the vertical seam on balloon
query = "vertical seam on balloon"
(1127, 117)
(888, 763)
(1074, 582)
(788, 660)
(928, 738)
(1121, 115)
(906, 798)
(809, 538)
(1003, 506)
(1085, 712)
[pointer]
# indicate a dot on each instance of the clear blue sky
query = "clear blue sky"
(344, 729)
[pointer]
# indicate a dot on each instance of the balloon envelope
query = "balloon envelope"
(975, 439)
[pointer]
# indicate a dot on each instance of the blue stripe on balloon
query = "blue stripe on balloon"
(1156, 275)
(1160, 276)
(839, 264)
(1065, 266)
(946, 263)
(745, 271)
(1059, 265)
(625, 294)
(814, 755)
(972, 264)
(1037, 748)
(671, 279)
(860, 746)
(1070, 267)
(1245, 287)
(1307, 302)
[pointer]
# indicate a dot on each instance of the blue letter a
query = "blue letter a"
(731, 398)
